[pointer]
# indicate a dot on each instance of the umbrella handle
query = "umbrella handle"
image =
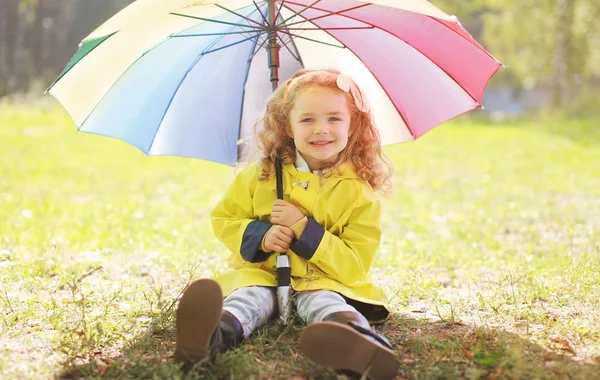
(284, 291)
(283, 261)
(279, 177)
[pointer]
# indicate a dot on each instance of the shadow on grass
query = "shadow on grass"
(426, 350)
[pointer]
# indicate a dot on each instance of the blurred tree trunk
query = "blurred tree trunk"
(562, 52)
(19, 64)
(59, 22)
(11, 16)
(36, 38)
(3, 53)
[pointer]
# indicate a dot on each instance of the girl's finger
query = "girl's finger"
(283, 238)
(287, 232)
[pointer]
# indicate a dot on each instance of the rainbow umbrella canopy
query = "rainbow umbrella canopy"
(190, 78)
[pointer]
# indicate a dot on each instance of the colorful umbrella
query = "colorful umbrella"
(190, 78)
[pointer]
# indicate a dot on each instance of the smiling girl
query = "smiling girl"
(320, 125)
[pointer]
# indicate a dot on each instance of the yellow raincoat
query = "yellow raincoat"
(334, 252)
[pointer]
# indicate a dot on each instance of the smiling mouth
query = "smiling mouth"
(320, 143)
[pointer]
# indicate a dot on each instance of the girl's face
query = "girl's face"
(320, 122)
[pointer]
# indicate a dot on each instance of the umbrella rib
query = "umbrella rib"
(258, 47)
(335, 28)
(278, 14)
(209, 34)
(239, 15)
(311, 39)
(329, 14)
(218, 21)
(264, 17)
(298, 13)
(297, 58)
(233, 43)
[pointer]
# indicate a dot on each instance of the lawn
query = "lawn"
(491, 254)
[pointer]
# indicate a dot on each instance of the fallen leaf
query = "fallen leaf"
(418, 309)
(101, 367)
(258, 361)
(566, 345)
(467, 353)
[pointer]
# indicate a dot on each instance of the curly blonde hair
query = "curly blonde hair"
(364, 144)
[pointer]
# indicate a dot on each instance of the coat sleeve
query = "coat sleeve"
(346, 258)
(234, 222)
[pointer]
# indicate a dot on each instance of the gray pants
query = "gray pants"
(253, 306)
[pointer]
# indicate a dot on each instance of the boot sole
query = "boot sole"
(198, 315)
(339, 346)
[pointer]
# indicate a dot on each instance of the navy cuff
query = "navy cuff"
(309, 241)
(250, 249)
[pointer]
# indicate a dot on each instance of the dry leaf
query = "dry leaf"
(101, 367)
(467, 353)
(418, 309)
(566, 345)
(258, 361)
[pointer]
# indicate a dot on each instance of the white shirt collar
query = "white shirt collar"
(301, 164)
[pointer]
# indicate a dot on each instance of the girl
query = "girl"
(320, 125)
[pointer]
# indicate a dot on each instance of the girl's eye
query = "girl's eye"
(307, 120)
(335, 119)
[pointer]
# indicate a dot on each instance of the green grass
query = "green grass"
(491, 254)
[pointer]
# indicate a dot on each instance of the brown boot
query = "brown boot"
(203, 327)
(340, 342)
(198, 316)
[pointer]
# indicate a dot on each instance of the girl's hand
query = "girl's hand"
(278, 239)
(285, 213)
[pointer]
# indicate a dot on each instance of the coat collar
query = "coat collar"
(345, 170)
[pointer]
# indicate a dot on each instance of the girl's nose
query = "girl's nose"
(321, 128)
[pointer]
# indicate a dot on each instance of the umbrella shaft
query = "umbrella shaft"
(273, 46)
